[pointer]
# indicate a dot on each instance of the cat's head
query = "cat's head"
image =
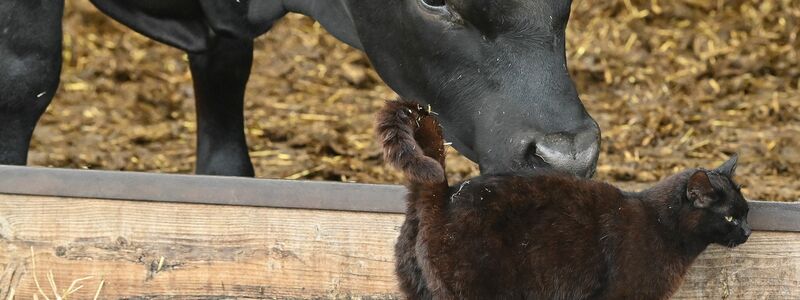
(718, 210)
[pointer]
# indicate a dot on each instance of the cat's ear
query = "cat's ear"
(728, 167)
(699, 189)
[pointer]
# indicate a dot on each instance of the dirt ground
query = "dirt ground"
(673, 84)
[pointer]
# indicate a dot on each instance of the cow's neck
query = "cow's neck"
(334, 15)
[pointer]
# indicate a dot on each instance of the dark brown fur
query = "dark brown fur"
(546, 234)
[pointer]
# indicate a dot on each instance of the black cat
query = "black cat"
(546, 234)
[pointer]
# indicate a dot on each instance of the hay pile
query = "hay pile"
(676, 84)
(673, 84)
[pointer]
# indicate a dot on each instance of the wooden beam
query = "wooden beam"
(208, 251)
(766, 267)
(151, 250)
(224, 190)
(319, 195)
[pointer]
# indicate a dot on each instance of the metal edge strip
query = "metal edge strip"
(323, 195)
(139, 186)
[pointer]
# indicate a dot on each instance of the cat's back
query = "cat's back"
(540, 188)
(545, 204)
(527, 231)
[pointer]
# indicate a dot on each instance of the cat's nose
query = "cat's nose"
(746, 229)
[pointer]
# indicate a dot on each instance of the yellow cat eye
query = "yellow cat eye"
(729, 218)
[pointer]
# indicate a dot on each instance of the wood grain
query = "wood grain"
(209, 251)
(766, 267)
(221, 252)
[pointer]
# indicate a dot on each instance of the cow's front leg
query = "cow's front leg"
(30, 64)
(220, 76)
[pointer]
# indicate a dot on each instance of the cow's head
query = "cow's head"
(494, 70)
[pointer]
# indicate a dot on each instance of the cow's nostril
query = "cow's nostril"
(568, 154)
(532, 157)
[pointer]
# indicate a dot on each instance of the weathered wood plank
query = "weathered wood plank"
(140, 186)
(319, 195)
(213, 251)
(766, 267)
(208, 251)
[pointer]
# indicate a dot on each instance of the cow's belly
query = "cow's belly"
(186, 24)
(170, 8)
(163, 8)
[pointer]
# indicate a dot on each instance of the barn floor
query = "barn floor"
(673, 84)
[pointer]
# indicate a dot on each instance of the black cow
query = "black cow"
(494, 70)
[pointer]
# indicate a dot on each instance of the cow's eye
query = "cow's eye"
(729, 218)
(440, 9)
(433, 3)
